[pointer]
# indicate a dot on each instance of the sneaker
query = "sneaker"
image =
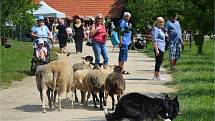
(160, 79)
(155, 78)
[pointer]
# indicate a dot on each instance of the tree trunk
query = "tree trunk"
(199, 40)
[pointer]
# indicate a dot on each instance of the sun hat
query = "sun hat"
(40, 17)
(40, 41)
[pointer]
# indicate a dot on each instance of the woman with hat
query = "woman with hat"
(40, 30)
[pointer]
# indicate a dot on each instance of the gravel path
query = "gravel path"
(21, 101)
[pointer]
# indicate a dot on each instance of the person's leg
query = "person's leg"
(177, 54)
(97, 52)
(104, 52)
(121, 65)
(81, 45)
(174, 64)
(159, 60)
(123, 56)
(65, 45)
(76, 44)
(156, 74)
(172, 51)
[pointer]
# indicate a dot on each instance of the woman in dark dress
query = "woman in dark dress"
(79, 35)
(62, 36)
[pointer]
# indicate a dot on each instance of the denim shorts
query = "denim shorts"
(123, 53)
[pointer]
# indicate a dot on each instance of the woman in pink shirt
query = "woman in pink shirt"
(99, 35)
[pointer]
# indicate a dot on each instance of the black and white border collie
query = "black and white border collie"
(138, 107)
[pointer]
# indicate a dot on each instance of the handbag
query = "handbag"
(89, 43)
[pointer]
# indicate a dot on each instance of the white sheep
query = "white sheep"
(57, 75)
(78, 78)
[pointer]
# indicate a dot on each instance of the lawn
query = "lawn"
(194, 79)
(15, 62)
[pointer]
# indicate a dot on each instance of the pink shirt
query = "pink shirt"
(100, 35)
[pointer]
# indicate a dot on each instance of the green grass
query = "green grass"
(194, 79)
(15, 62)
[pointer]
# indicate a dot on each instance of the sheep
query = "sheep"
(44, 76)
(114, 84)
(86, 64)
(78, 78)
(56, 75)
(94, 83)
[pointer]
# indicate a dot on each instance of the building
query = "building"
(87, 8)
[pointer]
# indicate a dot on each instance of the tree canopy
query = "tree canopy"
(18, 12)
(196, 14)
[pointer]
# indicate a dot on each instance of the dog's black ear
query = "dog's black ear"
(175, 99)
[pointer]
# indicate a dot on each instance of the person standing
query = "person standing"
(62, 36)
(158, 39)
(99, 36)
(79, 35)
(54, 29)
(125, 40)
(87, 32)
(175, 38)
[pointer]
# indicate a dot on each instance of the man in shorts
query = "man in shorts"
(125, 40)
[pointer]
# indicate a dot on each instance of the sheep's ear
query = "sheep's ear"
(68, 54)
(57, 53)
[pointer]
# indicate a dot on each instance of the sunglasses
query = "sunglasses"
(100, 18)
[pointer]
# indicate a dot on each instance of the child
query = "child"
(41, 51)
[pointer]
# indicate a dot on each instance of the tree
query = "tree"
(195, 14)
(18, 12)
(144, 12)
(199, 15)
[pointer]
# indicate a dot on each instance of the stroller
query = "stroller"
(140, 43)
(35, 61)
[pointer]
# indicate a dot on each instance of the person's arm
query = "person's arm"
(180, 35)
(154, 35)
(93, 30)
(45, 51)
(33, 32)
(37, 53)
(121, 26)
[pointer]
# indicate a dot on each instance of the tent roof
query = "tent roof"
(48, 11)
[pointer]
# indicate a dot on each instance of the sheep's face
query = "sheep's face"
(117, 69)
(62, 55)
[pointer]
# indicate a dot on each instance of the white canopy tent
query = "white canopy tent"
(47, 11)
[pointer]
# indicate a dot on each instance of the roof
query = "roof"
(109, 8)
(47, 11)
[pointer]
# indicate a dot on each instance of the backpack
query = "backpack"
(115, 38)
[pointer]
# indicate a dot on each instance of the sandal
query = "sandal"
(125, 72)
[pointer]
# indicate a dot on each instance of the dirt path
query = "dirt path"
(21, 101)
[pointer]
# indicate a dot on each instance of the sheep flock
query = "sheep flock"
(61, 77)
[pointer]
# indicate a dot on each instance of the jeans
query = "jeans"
(100, 49)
